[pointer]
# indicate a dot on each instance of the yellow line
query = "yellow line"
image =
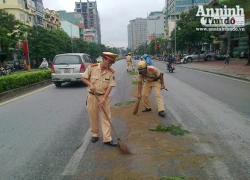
(245, 81)
(19, 97)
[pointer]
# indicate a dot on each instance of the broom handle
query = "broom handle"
(108, 118)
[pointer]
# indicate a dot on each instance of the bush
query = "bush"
(10, 82)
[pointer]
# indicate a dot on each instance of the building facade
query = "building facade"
(155, 25)
(137, 32)
(91, 17)
(74, 18)
(51, 19)
(39, 13)
(23, 11)
(71, 29)
(175, 7)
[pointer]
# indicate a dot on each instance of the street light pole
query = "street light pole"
(175, 41)
(71, 38)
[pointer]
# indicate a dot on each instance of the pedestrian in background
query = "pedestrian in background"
(129, 62)
(148, 60)
(100, 79)
(226, 62)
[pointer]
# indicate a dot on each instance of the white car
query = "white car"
(69, 67)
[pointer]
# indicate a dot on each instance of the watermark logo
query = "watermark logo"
(222, 17)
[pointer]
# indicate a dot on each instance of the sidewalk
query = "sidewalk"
(236, 69)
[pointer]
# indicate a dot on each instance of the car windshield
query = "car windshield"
(67, 60)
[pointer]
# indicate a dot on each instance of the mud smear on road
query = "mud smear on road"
(154, 154)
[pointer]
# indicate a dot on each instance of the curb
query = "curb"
(226, 75)
(23, 90)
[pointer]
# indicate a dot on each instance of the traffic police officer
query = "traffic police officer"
(100, 79)
(153, 79)
(129, 62)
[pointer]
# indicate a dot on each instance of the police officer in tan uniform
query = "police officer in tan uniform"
(100, 79)
(129, 62)
(153, 79)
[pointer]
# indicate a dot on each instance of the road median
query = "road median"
(23, 90)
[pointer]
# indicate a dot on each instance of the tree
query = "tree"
(11, 31)
(188, 36)
(245, 5)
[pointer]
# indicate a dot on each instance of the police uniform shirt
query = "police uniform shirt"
(100, 80)
(128, 58)
(152, 72)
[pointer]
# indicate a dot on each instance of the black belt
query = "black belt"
(96, 94)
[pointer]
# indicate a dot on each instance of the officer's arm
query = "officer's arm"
(139, 84)
(108, 90)
(86, 76)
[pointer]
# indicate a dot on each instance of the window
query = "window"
(22, 17)
(86, 59)
(77, 5)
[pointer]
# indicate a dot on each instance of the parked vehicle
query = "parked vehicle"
(207, 56)
(220, 57)
(244, 54)
(69, 67)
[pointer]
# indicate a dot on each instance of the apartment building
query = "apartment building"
(38, 19)
(137, 32)
(155, 25)
(91, 18)
(74, 18)
(51, 19)
(23, 10)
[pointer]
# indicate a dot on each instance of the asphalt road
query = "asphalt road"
(46, 135)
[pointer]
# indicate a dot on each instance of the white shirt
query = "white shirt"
(44, 64)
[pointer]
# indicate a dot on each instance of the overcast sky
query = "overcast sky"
(114, 15)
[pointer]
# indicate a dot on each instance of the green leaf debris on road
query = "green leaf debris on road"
(133, 73)
(174, 130)
(124, 103)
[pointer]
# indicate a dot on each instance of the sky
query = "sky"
(114, 16)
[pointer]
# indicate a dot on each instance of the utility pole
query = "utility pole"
(71, 38)
(175, 41)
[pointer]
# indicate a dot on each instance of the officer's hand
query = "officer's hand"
(101, 103)
(92, 88)
(139, 96)
(163, 86)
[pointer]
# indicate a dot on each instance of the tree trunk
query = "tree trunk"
(248, 61)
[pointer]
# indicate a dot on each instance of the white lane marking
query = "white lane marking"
(71, 167)
(19, 97)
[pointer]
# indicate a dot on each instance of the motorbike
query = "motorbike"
(170, 67)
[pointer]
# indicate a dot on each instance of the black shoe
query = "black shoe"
(146, 110)
(110, 143)
(162, 114)
(94, 139)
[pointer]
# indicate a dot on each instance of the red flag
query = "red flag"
(25, 49)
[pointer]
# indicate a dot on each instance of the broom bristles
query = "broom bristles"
(123, 147)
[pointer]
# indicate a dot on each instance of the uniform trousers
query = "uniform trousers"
(93, 110)
(147, 88)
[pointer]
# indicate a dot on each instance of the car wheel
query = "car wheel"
(58, 84)
(189, 59)
(208, 58)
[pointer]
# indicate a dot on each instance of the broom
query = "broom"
(136, 106)
(121, 145)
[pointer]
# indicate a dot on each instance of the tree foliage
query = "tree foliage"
(186, 33)
(246, 6)
(11, 31)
